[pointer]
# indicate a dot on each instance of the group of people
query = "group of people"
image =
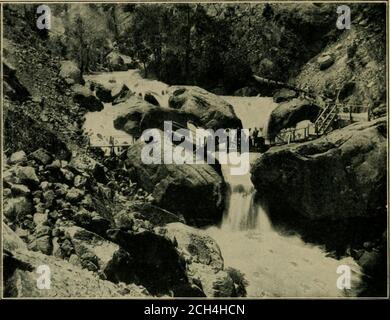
(256, 138)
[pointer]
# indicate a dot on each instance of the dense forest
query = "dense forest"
(215, 46)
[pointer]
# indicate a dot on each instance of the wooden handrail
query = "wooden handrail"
(327, 117)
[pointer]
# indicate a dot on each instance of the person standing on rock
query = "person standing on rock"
(255, 135)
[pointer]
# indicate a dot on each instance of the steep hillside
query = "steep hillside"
(356, 64)
(75, 210)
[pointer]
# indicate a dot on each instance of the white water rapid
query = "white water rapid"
(275, 265)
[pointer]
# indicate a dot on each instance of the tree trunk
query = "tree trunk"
(114, 19)
(188, 47)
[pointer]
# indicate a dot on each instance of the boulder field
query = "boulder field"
(101, 236)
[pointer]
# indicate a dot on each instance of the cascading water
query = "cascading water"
(242, 212)
(273, 264)
(99, 126)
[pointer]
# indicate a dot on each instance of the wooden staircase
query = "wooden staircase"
(324, 121)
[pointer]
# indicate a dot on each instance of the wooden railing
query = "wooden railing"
(286, 136)
(323, 124)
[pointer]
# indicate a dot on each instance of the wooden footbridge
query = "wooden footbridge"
(328, 120)
(333, 112)
(325, 122)
(113, 144)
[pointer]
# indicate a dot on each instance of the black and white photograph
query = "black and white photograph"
(194, 150)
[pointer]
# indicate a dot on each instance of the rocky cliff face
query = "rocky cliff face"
(67, 279)
(338, 176)
(349, 68)
(332, 191)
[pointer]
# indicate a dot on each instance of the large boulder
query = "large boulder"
(70, 72)
(194, 244)
(15, 209)
(86, 99)
(148, 259)
(288, 114)
(115, 62)
(141, 115)
(211, 111)
(17, 157)
(94, 252)
(205, 265)
(27, 175)
(83, 164)
(41, 156)
(214, 284)
(103, 91)
(13, 88)
(341, 175)
(120, 93)
(325, 61)
(11, 240)
(284, 94)
(176, 187)
(149, 97)
(144, 211)
(128, 61)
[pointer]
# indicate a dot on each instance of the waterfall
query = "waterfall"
(274, 264)
(242, 212)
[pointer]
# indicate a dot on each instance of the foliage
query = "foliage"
(212, 45)
(86, 40)
(239, 281)
(222, 45)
